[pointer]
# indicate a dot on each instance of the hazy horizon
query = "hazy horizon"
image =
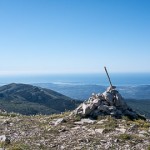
(123, 79)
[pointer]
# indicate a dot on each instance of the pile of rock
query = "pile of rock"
(108, 103)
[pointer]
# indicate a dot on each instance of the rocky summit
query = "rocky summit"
(64, 132)
(109, 102)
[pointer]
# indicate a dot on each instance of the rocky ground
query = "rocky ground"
(61, 132)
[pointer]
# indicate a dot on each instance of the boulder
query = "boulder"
(86, 109)
(108, 97)
(104, 108)
(96, 102)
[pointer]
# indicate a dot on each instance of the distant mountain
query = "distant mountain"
(27, 99)
(141, 106)
(82, 92)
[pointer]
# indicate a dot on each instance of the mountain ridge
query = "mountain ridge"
(82, 92)
(30, 97)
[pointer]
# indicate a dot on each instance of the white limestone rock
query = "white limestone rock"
(108, 97)
(99, 131)
(56, 122)
(5, 139)
(82, 121)
(122, 130)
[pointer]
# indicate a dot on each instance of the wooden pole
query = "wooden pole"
(108, 77)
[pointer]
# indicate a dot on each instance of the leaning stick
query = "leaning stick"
(108, 77)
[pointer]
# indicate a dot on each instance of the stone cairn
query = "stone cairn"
(108, 103)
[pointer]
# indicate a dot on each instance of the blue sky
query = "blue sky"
(74, 36)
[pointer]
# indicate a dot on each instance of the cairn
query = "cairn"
(109, 102)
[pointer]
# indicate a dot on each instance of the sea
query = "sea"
(117, 79)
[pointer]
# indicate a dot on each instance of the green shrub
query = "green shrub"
(77, 118)
(125, 136)
(2, 144)
(110, 124)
